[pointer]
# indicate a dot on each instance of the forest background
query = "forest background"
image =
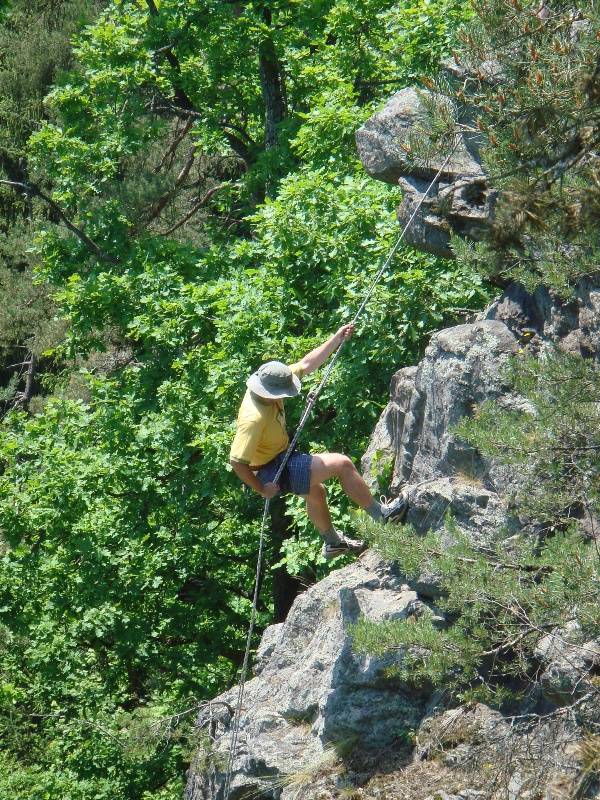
(205, 153)
(181, 199)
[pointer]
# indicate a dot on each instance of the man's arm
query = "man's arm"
(246, 475)
(320, 354)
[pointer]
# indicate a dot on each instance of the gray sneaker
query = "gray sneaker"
(394, 510)
(345, 545)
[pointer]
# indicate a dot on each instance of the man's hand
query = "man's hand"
(248, 476)
(345, 332)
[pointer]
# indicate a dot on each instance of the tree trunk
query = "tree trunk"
(23, 401)
(285, 587)
(273, 87)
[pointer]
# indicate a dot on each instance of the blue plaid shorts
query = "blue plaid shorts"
(295, 478)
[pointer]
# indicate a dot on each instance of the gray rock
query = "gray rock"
(382, 445)
(270, 639)
(460, 208)
(476, 509)
(542, 320)
(462, 367)
(567, 662)
(460, 203)
(312, 692)
(385, 140)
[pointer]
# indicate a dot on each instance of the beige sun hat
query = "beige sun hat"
(274, 380)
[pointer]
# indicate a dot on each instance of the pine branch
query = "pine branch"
(541, 570)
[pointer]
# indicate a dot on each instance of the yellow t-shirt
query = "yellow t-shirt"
(261, 434)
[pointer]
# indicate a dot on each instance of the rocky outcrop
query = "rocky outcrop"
(318, 720)
(542, 320)
(462, 367)
(460, 203)
(312, 697)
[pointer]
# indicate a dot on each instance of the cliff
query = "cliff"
(318, 720)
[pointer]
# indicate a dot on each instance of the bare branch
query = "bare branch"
(194, 210)
(170, 151)
(168, 195)
(24, 397)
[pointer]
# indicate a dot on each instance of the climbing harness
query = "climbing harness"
(310, 402)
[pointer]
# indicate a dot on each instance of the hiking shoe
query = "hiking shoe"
(345, 545)
(394, 510)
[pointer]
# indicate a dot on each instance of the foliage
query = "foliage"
(531, 79)
(501, 602)
(503, 598)
(555, 443)
(208, 149)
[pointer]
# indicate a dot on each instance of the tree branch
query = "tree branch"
(195, 209)
(170, 151)
(25, 396)
(33, 191)
(168, 196)
(180, 94)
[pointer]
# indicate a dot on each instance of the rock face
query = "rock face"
(460, 203)
(463, 366)
(313, 700)
(312, 693)
(541, 320)
(319, 721)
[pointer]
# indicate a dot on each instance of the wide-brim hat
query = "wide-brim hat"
(274, 380)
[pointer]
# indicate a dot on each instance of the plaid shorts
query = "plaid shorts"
(295, 478)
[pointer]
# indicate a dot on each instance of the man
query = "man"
(261, 442)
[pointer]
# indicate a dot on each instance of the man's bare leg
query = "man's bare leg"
(336, 465)
(317, 508)
(335, 543)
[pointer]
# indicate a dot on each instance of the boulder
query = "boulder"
(387, 138)
(567, 662)
(460, 203)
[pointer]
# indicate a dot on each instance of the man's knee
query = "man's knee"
(346, 464)
(317, 492)
(331, 465)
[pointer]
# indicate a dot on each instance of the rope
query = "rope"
(310, 402)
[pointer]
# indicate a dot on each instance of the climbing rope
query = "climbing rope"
(310, 402)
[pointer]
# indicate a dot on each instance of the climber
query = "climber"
(261, 441)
